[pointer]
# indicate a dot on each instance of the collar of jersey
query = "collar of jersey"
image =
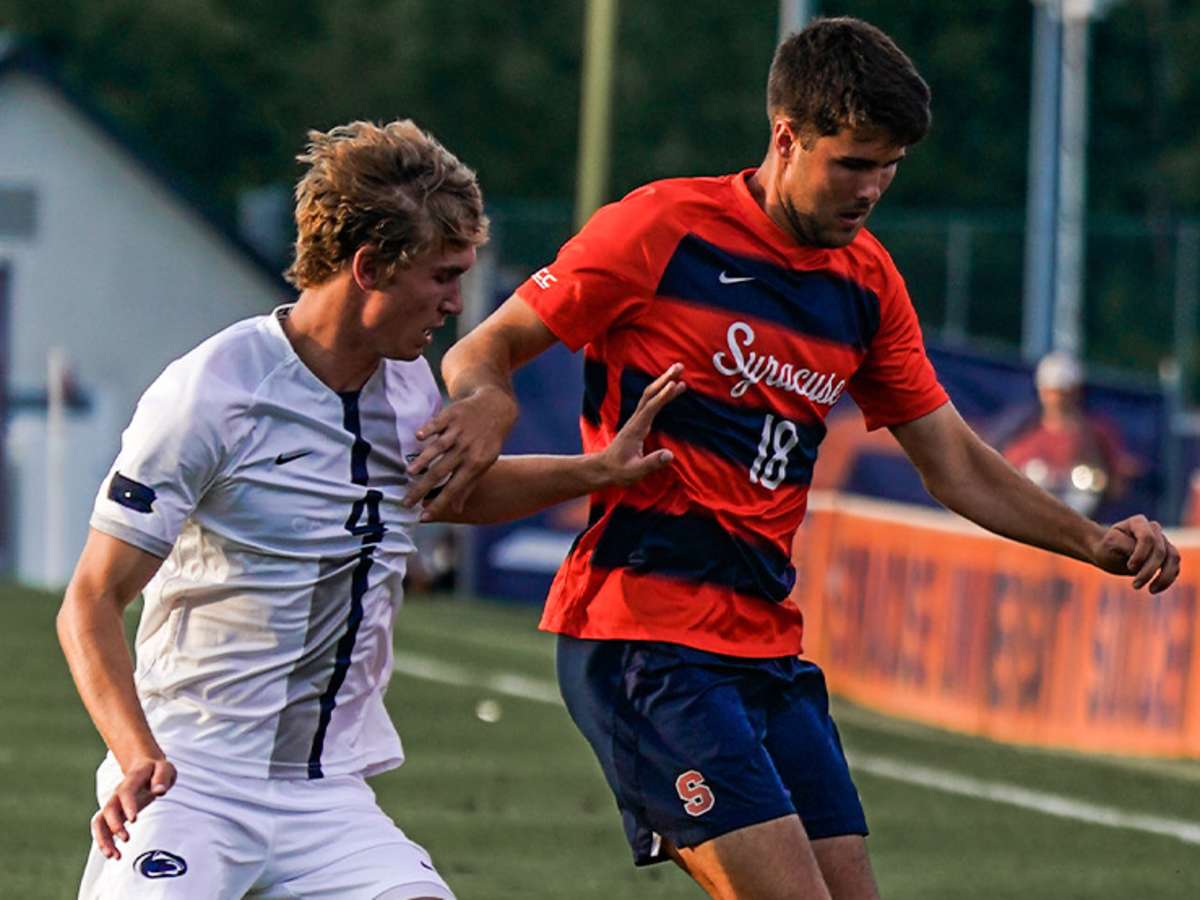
(275, 327)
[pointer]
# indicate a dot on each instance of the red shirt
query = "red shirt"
(771, 333)
(1080, 439)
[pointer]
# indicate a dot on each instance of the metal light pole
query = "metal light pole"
(56, 470)
(595, 114)
(794, 15)
(1057, 200)
(1041, 198)
(1072, 177)
(1187, 301)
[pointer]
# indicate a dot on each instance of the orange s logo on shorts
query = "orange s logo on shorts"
(696, 796)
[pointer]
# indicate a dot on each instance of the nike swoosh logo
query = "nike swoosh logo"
(284, 458)
(734, 279)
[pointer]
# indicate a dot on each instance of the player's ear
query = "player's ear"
(784, 138)
(365, 268)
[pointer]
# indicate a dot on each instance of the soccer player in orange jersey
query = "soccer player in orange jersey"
(679, 648)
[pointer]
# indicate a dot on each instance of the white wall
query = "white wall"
(120, 274)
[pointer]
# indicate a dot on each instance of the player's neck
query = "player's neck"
(327, 339)
(761, 186)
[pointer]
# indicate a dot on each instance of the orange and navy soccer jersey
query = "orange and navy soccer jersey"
(771, 334)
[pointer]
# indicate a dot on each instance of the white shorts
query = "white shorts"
(222, 837)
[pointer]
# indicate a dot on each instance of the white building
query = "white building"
(103, 257)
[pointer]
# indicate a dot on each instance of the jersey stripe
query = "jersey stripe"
(732, 431)
(819, 304)
(692, 547)
(307, 680)
(358, 584)
(595, 387)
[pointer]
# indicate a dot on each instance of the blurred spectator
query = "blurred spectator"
(1076, 456)
(434, 567)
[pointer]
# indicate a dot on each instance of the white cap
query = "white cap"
(1058, 371)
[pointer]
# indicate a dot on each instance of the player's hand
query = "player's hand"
(462, 442)
(1137, 547)
(624, 461)
(145, 781)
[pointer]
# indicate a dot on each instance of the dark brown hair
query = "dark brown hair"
(845, 73)
(391, 186)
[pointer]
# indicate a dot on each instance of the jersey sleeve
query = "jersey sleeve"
(171, 452)
(896, 382)
(607, 274)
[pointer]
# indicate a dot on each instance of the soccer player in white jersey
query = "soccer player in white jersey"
(258, 501)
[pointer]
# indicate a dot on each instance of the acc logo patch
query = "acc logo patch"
(160, 864)
(697, 797)
(543, 278)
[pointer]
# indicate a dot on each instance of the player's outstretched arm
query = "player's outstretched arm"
(519, 486)
(464, 439)
(109, 575)
(975, 481)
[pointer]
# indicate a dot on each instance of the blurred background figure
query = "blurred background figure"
(434, 567)
(1077, 456)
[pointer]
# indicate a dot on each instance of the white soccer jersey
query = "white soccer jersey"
(265, 644)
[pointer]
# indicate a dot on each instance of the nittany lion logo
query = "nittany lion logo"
(160, 864)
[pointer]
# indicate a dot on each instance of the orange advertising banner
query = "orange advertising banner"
(919, 614)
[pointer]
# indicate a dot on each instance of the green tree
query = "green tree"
(224, 91)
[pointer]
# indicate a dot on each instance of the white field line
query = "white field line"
(506, 683)
(525, 688)
(1039, 801)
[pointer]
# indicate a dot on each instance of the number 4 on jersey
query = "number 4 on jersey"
(372, 530)
(779, 437)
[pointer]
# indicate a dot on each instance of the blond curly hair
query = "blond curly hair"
(393, 187)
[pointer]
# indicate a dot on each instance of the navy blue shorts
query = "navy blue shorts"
(695, 745)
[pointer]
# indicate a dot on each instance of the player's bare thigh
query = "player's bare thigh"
(776, 861)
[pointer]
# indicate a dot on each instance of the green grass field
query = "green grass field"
(516, 808)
